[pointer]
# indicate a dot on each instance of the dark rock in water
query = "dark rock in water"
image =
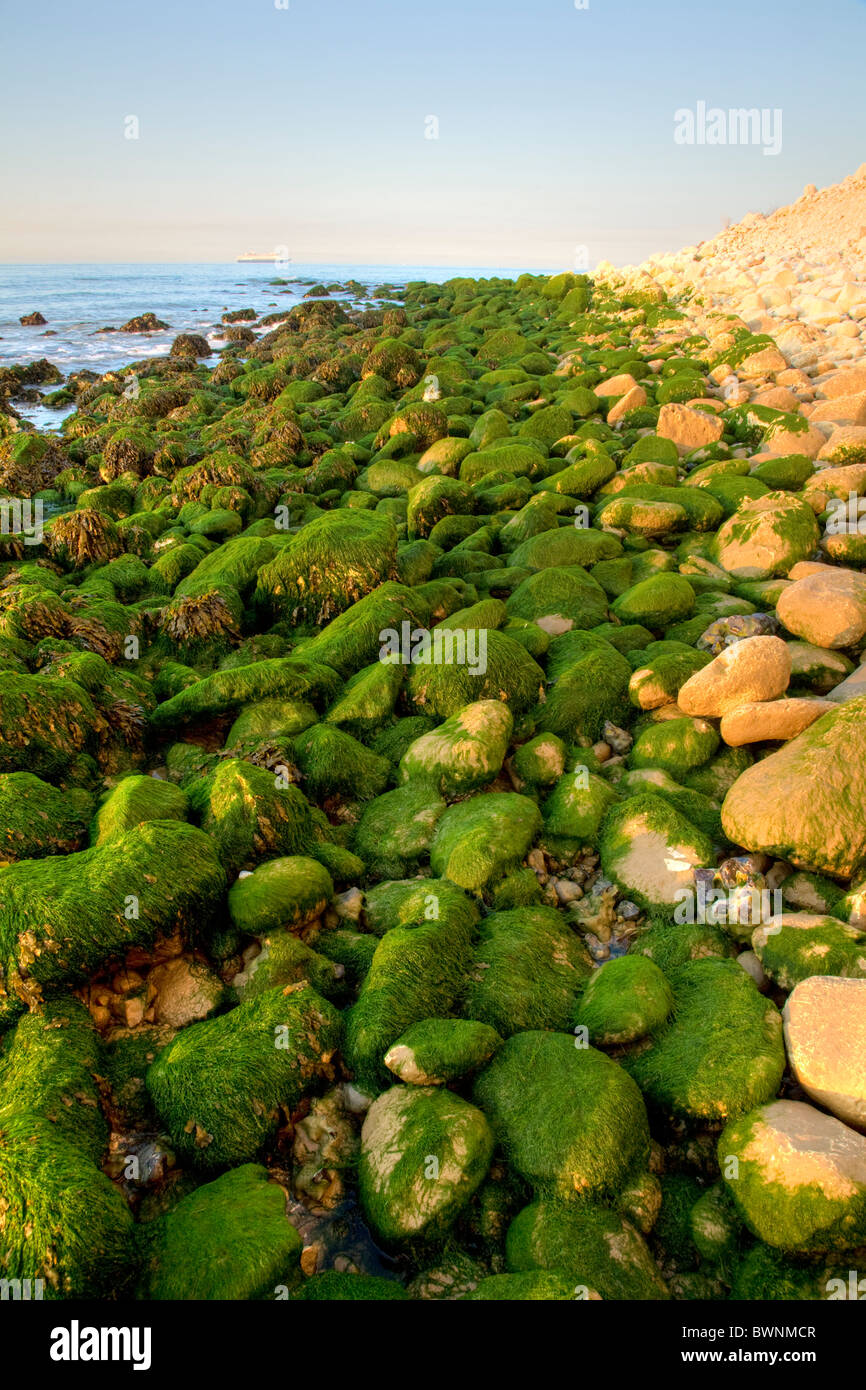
(239, 315)
(143, 323)
(190, 345)
(34, 320)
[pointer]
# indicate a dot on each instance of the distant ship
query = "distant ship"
(267, 257)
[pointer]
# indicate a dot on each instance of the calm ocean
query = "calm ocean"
(79, 300)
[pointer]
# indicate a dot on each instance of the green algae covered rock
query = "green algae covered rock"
(416, 974)
(37, 819)
(494, 667)
(424, 1151)
(331, 562)
(289, 678)
(651, 851)
(589, 688)
(230, 1239)
(571, 1120)
(721, 1053)
(269, 719)
(797, 1177)
(657, 602)
(539, 762)
(482, 838)
(286, 960)
(529, 969)
(367, 700)
(464, 753)
(595, 1248)
(438, 1050)
(63, 917)
(251, 814)
(283, 892)
(63, 1221)
(396, 829)
(332, 1286)
(576, 807)
(51, 1065)
(133, 801)
(766, 537)
(332, 763)
(658, 679)
(625, 1000)
(801, 803)
(677, 746)
(220, 1085)
(44, 723)
(558, 599)
(796, 945)
(534, 1285)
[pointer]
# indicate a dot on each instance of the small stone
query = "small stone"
(566, 891)
(752, 966)
(349, 905)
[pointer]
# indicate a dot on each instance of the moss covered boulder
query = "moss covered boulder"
(416, 973)
(424, 1152)
(625, 1000)
(594, 1247)
(571, 1120)
(720, 1054)
(251, 814)
(63, 917)
(528, 970)
(797, 1177)
(230, 1239)
(395, 830)
(657, 602)
(651, 851)
(221, 1086)
(283, 892)
(133, 801)
(766, 537)
(38, 819)
(331, 562)
(480, 839)
(63, 1221)
(794, 946)
(464, 753)
(44, 723)
(438, 1050)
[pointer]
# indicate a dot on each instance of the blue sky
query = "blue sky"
(305, 127)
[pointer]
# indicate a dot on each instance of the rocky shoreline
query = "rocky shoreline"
(434, 825)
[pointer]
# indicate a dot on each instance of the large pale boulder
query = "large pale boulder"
(758, 668)
(807, 803)
(825, 1034)
(827, 609)
(769, 721)
(687, 428)
(766, 536)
